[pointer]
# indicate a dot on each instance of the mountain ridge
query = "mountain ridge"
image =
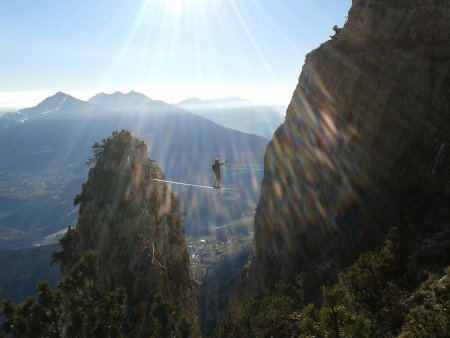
(44, 160)
(119, 100)
(237, 113)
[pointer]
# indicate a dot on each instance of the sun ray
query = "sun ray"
(253, 42)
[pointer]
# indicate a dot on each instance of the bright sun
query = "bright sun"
(179, 5)
(175, 4)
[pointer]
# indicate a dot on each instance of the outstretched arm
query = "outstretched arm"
(223, 163)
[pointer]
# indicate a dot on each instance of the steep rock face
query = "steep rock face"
(135, 225)
(369, 114)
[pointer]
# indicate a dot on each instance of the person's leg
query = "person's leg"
(216, 180)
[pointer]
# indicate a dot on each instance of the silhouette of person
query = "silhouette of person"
(337, 31)
(216, 169)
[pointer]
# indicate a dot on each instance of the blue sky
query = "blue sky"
(167, 49)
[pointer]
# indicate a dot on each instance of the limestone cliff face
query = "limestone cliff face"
(369, 114)
(135, 225)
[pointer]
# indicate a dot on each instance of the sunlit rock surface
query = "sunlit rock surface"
(135, 225)
(369, 115)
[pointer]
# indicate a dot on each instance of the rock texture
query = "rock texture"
(370, 115)
(135, 225)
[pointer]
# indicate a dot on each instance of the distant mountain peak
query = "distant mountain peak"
(55, 97)
(192, 100)
(120, 93)
(120, 100)
(236, 113)
(226, 100)
(56, 101)
(58, 95)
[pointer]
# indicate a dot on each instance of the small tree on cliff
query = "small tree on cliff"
(121, 140)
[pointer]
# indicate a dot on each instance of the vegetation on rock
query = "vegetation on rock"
(357, 184)
(126, 263)
(373, 298)
(75, 309)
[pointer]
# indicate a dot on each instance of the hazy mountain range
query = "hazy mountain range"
(236, 113)
(43, 165)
